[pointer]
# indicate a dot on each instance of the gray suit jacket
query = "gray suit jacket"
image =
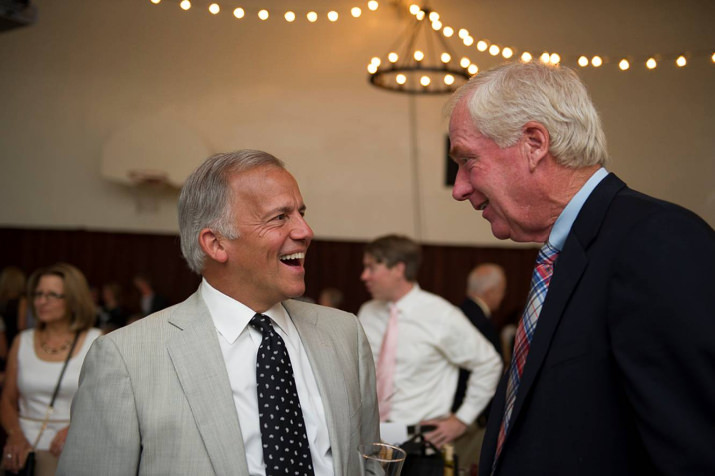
(154, 397)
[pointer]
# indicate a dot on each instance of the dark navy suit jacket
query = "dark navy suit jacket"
(619, 377)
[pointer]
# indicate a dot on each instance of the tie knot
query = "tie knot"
(262, 323)
(547, 254)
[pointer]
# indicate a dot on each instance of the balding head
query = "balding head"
(488, 283)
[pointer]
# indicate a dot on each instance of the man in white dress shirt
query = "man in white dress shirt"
(179, 393)
(434, 340)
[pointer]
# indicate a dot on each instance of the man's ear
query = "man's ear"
(212, 244)
(536, 143)
(399, 268)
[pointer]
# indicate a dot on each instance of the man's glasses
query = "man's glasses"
(51, 296)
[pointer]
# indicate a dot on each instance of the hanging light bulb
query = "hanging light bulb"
(507, 52)
(681, 61)
(651, 63)
(156, 2)
(372, 5)
(375, 60)
(494, 50)
(468, 41)
(624, 64)
(424, 81)
(465, 62)
(414, 9)
(545, 57)
(214, 8)
(185, 5)
(333, 16)
(445, 57)
(289, 16)
(419, 56)
(448, 31)
(582, 61)
(448, 79)
(436, 25)
(356, 12)
(482, 45)
(433, 16)
(239, 12)
(526, 57)
(554, 58)
(401, 78)
(473, 69)
(312, 17)
(263, 14)
(372, 68)
(393, 57)
(463, 33)
(596, 61)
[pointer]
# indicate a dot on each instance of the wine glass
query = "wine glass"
(381, 459)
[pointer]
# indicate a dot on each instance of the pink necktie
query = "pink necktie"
(386, 365)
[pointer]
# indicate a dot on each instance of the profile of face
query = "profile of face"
(266, 261)
(49, 299)
(494, 180)
(382, 283)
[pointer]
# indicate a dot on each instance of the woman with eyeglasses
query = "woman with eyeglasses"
(61, 302)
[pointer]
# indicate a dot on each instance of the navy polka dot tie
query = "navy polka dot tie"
(285, 442)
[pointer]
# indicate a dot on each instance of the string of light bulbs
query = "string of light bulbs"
(624, 62)
(290, 15)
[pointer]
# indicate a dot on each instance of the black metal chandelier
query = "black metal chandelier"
(421, 61)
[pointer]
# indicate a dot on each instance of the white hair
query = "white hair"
(502, 100)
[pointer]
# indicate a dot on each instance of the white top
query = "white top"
(239, 345)
(36, 380)
(434, 339)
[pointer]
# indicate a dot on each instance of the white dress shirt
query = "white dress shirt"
(239, 345)
(434, 340)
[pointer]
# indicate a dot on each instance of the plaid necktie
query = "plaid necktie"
(285, 441)
(540, 279)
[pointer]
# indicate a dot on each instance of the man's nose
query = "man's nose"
(462, 188)
(302, 231)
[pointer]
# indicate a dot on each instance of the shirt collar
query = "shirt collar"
(404, 303)
(562, 227)
(231, 317)
(480, 302)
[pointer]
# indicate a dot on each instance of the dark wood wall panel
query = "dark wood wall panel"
(107, 256)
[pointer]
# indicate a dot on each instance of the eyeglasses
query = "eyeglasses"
(51, 296)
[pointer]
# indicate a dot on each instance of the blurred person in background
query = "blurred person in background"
(114, 314)
(13, 305)
(64, 312)
(331, 297)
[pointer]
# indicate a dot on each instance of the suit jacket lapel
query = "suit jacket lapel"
(569, 267)
(199, 365)
(329, 377)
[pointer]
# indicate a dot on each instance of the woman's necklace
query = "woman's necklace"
(55, 350)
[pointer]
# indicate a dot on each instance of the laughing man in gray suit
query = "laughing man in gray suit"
(176, 392)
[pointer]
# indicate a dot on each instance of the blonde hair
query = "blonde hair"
(77, 296)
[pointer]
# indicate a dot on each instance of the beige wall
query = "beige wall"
(100, 79)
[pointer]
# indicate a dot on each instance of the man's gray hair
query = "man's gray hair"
(502, 100)
(206, 197)
(485, 277)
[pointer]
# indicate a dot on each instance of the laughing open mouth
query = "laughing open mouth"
(293, 259)
(482, 205)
